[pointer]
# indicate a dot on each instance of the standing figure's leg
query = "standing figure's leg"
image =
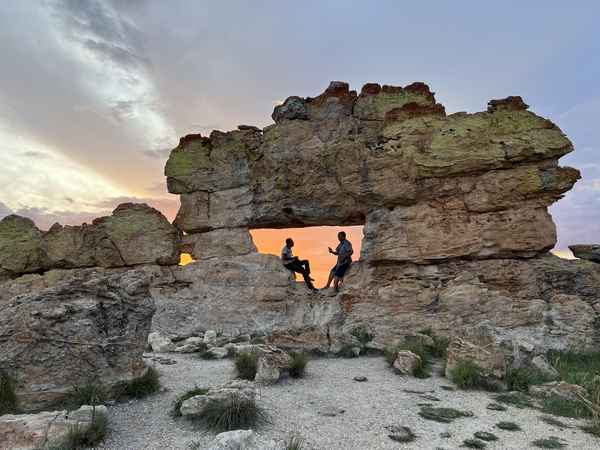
(330, 279)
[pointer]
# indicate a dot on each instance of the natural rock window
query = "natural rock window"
(310, 243)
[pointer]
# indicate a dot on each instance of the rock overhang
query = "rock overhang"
(392, 152)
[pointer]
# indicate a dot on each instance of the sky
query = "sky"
(94, 94)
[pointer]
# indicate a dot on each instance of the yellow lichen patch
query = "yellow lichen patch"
(185, 258)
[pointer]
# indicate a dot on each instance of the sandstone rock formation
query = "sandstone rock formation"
(589, 252)
(196, 405)
(427, 186)
(61, 329)
(134, 234)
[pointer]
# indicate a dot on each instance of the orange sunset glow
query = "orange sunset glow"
(310, 243)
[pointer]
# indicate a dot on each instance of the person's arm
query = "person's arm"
(346, 251)
(332, 251)
(286, 257)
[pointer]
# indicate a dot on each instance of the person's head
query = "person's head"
(341, 236)
(289, 242)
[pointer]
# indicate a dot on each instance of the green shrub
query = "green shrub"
(90, 393)
(575, 367)
(246, 365)
(176, 409)
(80, 437)
(563, 407)
(521, 379)
(485, 436)
(8, 396)
(140, 387)
(468, 375)
(298, 364)
(233, 413)
(362, 334)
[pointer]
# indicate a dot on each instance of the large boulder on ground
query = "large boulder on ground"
(195, 406)
(478, 345)
(272, 363)
(589, 252)
(160, 343)
(566, 391)
(34, 431)
(88, 326)
(406, 362)
(243, 440)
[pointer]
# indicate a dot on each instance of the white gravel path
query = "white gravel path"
(369, 407)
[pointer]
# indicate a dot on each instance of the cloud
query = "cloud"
(4, 210)
(36, 154)
(161, 153)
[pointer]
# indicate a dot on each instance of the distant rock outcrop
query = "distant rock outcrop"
(589, 252)
(134, 234)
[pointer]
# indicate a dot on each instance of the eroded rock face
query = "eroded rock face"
(251, 294)
(428, 186)
(539, 303)
(134, 234)
(70, 328)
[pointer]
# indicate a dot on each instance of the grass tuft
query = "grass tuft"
(563, 407)
(362, 335)
(443, 415)
(518, 399)
(485, 436)
(298, 364)
(551, 442)
(473, 443)
(468, 375)
(233, 413)
(294, 442)
(508, 426)
(80, 437)
(554, 422)
(521, 379)
(246, 365)
(90, 393)
(140, 387)
(8, 396)
(176, 409)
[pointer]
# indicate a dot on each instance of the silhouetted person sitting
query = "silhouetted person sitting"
(294, 264)
(344, 253)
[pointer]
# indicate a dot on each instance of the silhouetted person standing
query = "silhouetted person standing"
(294, 264)
(344, 253)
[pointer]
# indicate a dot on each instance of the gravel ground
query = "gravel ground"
(369, 407)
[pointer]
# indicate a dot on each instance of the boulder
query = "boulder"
(210, 337)
(541, 364)
(87, 325)
(560, 389)
(479, 345)
(221, 242)
(190, 345)
(195, 406)
(217, 352)
(160, 343)
(406, 363)
(20, 246)
(589, 252)
(243, 440)
(272, 362)
(31, 431)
